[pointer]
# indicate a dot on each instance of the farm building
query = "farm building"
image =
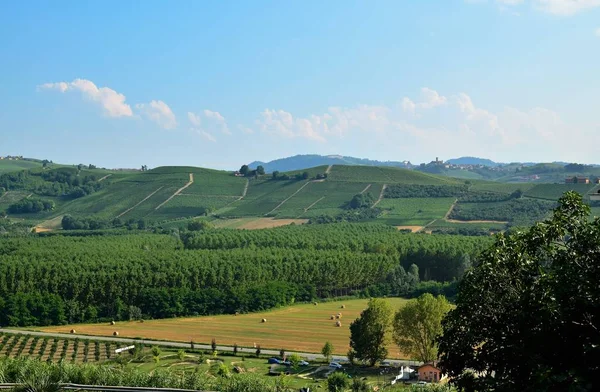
(428, 372)
(577, 180)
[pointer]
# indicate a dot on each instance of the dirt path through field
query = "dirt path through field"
(292, 195)
(366, 189)
(450, 209)
(311, 206)
(475, 221)
(380, 195)
(145, 198)
(328, 169)
(245, 189)
(178, 191)
(104, 178)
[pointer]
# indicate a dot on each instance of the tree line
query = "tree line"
(214, 271)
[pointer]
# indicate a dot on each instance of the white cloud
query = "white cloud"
(429, 100)
(218, 121)
(206, 135)
(159, 112)
(245, 129)
(112, 102)
(208, 123)
(453, 123)
(194, 119)
(510, 2)
(566, 7)
(280, 122)
(556, 7)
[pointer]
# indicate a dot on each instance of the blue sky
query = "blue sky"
(219, 84)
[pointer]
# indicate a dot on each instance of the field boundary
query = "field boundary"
(292, 195)
(178, 191)
(383, 188)
(137, 204)
(104, 178)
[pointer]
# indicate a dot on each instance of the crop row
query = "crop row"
(54, 349)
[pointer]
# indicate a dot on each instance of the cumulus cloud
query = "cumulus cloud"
(207, 123)
(431, 122)
(159, 112)
(429, 100)
(282, 123)
(112, 102)
(217, 120)
(194, 119)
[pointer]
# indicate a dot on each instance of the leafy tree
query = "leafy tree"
(305, 175)
(135, 313)
(526, 316)
(337, 382)
(260, 170)
(244, 170)
(275, 174)
(295, 361)
(156, 351)
(418, 324)
(359, 385)
(327, 351)
(369, 332)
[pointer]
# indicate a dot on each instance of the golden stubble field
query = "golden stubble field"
(302, 328)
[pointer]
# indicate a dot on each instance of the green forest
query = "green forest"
(95, 276)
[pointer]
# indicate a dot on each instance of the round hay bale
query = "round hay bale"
(141, 320)
(116, 333)
(343, 307)
(264, 321)
(112, 323)
(332, 317)
(73, 331)
(314, 303)
(338, 323)
(237, 313)
(339, 316)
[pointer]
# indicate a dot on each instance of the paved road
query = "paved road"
(308, 356)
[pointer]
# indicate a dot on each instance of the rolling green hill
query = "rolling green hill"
(7, 166)
(167, 195)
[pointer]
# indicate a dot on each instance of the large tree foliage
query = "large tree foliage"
(369, 333)
(418, 324)
(528, 315)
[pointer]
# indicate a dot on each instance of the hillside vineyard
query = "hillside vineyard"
(57, 279)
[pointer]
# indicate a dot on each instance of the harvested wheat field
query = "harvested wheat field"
(414, 229)
(267, 223)
(302, 328)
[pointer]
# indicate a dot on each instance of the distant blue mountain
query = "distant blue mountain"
(473, 161)
(299, 162)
